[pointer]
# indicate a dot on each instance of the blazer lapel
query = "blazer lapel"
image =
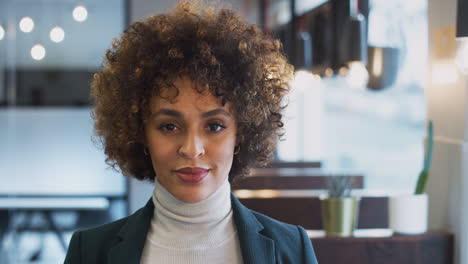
(256, 248)
(132, 237)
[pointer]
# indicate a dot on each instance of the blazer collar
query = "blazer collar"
(255, 247)
(132, 237)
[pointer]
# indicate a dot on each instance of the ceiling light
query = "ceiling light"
(38, 52)
(357, 76)
(80, 13)
(304, 80)
(57, 34)
(26, 24)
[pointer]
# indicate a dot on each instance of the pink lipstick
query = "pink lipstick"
(192, 175)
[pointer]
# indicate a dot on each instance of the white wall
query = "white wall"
(447, 103)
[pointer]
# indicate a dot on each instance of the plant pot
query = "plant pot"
(339, 215)
(408, 214)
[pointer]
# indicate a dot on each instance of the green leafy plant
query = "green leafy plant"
(339, 186)
(423, 176)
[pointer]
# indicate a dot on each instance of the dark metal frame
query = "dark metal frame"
(462, 18)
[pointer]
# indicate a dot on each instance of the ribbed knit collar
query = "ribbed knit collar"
(203, 224)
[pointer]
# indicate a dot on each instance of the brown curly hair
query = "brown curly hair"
(224, 55)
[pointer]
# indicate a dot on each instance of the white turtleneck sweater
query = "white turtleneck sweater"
(190, 233)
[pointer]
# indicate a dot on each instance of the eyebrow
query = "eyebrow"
(177, 114)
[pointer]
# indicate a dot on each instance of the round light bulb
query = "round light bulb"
(304, 80)
(343, 71)
(2, 32)
(80, 13)
(26, 24)
(57, 34)
(357, 76)
(38, 52)
(461, 58)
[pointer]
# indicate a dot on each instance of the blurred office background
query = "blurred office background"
(54, 178)
(356, 112)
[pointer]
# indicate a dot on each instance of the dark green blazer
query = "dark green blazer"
(262, 240)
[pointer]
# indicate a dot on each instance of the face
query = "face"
(191, 142)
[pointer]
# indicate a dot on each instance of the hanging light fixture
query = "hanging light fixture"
(357, 52)
(462, 36)
(303, 43)
(462, 19)
(357, 27)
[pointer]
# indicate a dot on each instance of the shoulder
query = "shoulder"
(91, 245)
(105, 231)
(85, 245)
(291, 241)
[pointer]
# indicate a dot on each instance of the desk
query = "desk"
(53, 203)
(45, 206)
(434, 247)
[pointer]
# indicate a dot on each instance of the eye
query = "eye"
(215, 127)
(167, 127)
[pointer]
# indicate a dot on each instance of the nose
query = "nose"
(192, 146)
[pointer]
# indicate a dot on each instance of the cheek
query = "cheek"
(223, 154)
(161, 151)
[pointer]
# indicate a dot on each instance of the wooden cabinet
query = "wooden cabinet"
(431, 248)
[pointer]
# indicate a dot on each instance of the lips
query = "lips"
(189, 170)
(192, 175)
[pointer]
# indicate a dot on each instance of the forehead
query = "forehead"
(184, 95)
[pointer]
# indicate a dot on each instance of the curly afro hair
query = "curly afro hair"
(222, 54)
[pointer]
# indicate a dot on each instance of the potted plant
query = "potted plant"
(408, 213)
(422, 179)
(339, 208)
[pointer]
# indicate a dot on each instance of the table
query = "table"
(45, 206)
(433, 247)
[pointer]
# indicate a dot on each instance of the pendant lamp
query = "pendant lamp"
(462, 36)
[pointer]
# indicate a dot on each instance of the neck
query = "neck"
(206, 221)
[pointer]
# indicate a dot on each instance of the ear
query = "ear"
(237, 138)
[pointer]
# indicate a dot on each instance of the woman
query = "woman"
(191, 100)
